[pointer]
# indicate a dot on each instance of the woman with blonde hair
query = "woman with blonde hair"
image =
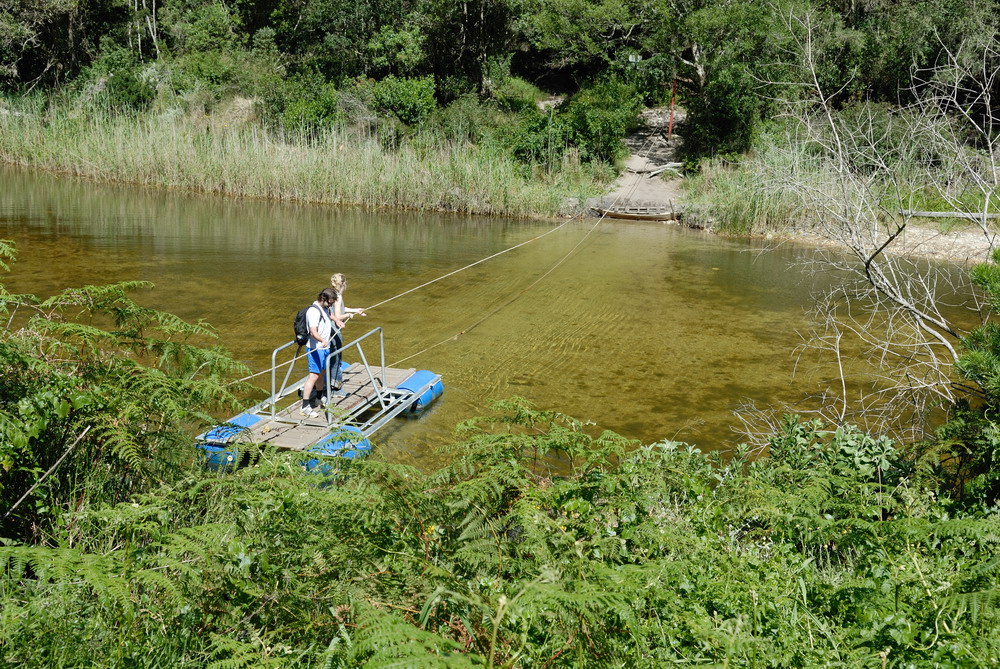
(340, 314)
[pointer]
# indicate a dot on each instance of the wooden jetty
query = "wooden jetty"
(638, 212)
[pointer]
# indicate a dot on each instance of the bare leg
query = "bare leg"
(308, 388)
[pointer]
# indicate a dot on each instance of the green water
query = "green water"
(647, 329)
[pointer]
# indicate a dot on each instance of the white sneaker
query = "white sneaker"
(308, 412)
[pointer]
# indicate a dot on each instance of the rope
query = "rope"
(268, 370)
(600, 219)
(508, 302)
(462, 269)
(423, 285)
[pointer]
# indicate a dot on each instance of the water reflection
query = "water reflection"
(650, 330)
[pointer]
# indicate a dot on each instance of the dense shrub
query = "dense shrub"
(598, 118)
(314, 108)
(517, 95)
(537, 137)
(411, 100)
(116, 81)
(465, 120)
(538, 544)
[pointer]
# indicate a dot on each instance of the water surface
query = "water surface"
(648, 329)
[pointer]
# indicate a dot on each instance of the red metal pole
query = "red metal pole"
(670, 125)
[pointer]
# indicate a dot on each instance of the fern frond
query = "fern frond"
(240, 654)
(383, 640)
(975, 603)
(8, 251)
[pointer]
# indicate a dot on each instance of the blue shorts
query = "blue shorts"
(317, 359)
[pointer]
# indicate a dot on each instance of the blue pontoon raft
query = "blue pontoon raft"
(375, 394)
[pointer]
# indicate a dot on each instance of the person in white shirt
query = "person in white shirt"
(318, 346)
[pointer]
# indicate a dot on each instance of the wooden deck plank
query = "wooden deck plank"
(290, 431)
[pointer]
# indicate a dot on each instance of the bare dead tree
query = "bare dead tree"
(854, 177)
(959, 118)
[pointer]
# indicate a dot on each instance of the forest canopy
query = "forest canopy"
(310, 61)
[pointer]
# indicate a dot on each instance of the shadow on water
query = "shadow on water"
(650, 330)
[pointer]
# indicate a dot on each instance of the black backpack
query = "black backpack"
(301, 325)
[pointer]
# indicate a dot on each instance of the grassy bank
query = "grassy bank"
(853, 168)
(335, 166)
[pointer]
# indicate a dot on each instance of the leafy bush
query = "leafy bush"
(411, 100)
(126, 91)
(537, 138)
(539, 543)
(465, 120)
(402, 51)
(312, 111)
(517, 95)
(971, 436)
(117, 80)
(728, 116)
(200, 27)
(114, 402)
(598, 118)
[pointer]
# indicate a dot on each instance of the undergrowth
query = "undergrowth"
(827, 552)
(539, 545)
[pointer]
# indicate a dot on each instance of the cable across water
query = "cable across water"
(492, 313)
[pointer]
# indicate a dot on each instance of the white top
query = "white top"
(318, 320)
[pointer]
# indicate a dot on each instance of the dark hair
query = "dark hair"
(328, 294)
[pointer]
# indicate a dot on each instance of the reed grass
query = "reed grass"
(336, 166)
(737, 198)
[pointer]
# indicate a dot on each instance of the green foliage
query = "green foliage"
(102, 406)
(517, 95)
(200, 27)
(464, 121)
(49, 41)
(597, 119)
(411, 100)
(587, 35)
(466, 40)
(735, 50)
(539, 543)
(731, 61)
(538, 138)
(966, 452)
(399, 51)
(117, 80)
(735, 196)
(306, 104)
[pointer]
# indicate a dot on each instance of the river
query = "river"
(652, 330)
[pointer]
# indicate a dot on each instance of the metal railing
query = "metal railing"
(382, 397)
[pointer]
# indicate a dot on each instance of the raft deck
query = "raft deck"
(373, 396)
(287, 430)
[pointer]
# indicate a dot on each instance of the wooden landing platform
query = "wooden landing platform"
(290, 431)
(639, 213)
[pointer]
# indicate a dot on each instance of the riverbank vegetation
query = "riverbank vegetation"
(529, 99)
(330, 165)
(539, 545)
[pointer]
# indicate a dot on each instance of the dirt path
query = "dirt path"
(650, 148)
